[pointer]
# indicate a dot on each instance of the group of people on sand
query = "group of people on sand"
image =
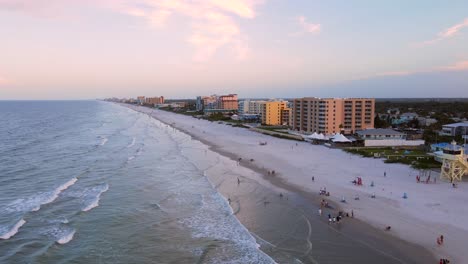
(428, 179)
(337, 219)
(323, 191)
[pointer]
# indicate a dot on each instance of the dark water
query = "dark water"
(92, 182)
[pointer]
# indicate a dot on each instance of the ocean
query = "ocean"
(94, 182)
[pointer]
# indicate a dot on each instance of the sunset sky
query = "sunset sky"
(83, 49)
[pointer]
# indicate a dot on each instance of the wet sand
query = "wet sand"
(289, 229)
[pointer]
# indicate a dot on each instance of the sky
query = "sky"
(85, 49)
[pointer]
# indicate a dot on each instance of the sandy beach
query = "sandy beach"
(429, 211)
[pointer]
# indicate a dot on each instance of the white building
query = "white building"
(425, 121)
(455, 129)
(255, 107)
(244, 107)
(380, 137)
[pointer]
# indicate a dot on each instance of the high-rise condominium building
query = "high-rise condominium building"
(141, 99)
(333, 115)
(227, 102)
(206, 102)
(255, 107)
(244, 107)
(154, 100)
(275, 113)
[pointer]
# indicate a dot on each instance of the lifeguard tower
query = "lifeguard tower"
(454, 162)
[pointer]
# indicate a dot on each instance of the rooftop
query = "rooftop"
(461, 124)
(378, 131)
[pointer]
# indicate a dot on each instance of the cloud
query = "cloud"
(306, 26)
(212, 22)
(394, 73)
(447, 33)
(458, 66)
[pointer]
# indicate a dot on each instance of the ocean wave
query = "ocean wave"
(34, 203)
(130, 158)
(95, 202)
(133, 143)
(215, 221)
(66, 238)
(13, 230)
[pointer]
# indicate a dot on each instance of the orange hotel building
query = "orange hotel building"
(333, 115)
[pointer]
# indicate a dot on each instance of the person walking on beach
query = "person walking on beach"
(313, 178)
(385, 174)
(238, 181)
(440, 240)
(320, 211)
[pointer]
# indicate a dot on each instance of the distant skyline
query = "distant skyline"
(85, 49)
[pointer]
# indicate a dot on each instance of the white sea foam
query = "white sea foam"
(130, 158)
(133, 143)
(139, 151)
(66, 238)
(33, 203)
(13, 230)
(95, 202)
(103, 141)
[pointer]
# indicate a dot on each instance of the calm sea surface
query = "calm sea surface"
(93, 182)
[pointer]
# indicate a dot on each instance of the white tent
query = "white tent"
(340, 138)
(313, 136)
(321, 137)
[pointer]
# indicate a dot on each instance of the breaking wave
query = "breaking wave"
(95, 202)
(66, 238)
(34, 203)
(13, 230)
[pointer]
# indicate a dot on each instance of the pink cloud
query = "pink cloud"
(308, 27)
(212, 22)
(394, 73)
(447, 33)
(459, 66)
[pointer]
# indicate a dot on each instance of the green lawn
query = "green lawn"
(417, 159)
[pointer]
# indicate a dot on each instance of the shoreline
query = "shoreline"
(309, 202)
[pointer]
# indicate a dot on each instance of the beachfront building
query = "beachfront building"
(243, 107)
(381, 137)
(456, 129)
(220, 104)
(333, 115)
(141, 100)
(206, 102)
(286, 116)
(272, 113)
(154, 100)
(255, 107)
(227, 102)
